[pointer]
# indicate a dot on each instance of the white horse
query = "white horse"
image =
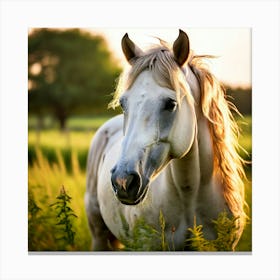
(173, 150)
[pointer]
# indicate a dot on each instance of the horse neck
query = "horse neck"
(186, 172)
(195, 169)
(192, 175)
(204, 138)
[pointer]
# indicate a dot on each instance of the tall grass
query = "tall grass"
(44, 188)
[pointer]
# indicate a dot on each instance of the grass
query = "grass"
(86, 123)
(51, 140)
(58, 159)
(245, 138)
(73, 123)
(55, 139)
(45, 181)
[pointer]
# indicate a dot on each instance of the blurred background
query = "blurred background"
(72, 74)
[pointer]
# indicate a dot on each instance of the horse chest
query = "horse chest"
(117, 216)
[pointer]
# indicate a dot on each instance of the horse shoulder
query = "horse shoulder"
(101, 141)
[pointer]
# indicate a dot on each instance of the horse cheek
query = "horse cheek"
(183, 131)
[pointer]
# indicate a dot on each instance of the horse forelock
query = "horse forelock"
(160, 62)
(224, 131)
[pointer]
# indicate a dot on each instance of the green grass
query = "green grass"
(73, 123)
(77, 137)
(58, 159)
(86, 123)
(245, 243)
(245, 137)
(54, 139)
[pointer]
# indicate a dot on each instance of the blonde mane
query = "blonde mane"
(224, 130)
(228, 165)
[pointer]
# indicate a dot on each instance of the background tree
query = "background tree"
(70, 71)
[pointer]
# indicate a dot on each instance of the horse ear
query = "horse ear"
(181, 48)
(129, 49)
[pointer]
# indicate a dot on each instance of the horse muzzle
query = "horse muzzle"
(129, 186)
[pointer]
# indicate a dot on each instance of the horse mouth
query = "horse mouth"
(130, 201)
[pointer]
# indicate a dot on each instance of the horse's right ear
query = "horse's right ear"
(130, 50)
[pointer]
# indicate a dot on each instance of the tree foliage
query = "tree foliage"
(69, 71)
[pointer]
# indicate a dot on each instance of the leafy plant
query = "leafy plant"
(40, 226)
(164, 245)
(226, 232)
(65, 216)
(33, 211)
(143, 237)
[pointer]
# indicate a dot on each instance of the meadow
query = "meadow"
(56, 184)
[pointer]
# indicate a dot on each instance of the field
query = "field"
(56, 184)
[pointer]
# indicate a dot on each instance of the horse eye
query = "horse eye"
(170, 105)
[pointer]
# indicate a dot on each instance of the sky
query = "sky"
(231, 45)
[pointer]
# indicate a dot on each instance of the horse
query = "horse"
(172, 151)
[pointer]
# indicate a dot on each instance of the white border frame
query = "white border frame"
(261, 16)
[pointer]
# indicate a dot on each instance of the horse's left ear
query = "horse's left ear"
(130, 50)
(181, 48)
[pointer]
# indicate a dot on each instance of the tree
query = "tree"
(69, 71)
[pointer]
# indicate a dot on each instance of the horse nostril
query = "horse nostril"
(133, 185)
(128, 182)
(127, 186)
(134, 181)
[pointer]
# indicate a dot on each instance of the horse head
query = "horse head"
(159, 116)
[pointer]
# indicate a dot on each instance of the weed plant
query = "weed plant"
(64, 216)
